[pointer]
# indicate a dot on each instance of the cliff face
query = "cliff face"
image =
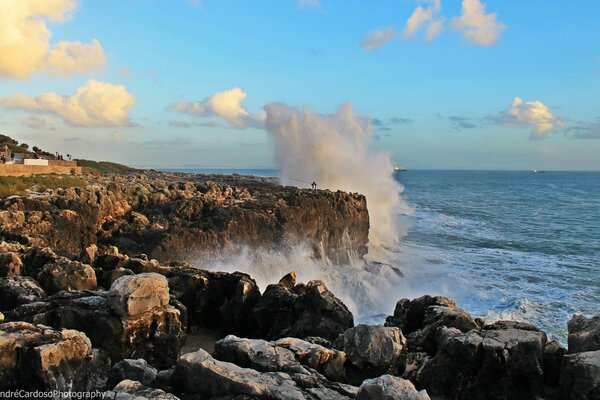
(183, 217)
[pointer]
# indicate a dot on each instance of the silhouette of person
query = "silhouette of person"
(313, 185)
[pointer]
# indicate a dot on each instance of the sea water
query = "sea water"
(506, 245)
(511, 245)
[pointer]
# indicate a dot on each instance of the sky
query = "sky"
(445, 84)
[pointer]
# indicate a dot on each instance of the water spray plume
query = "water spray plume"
(331, 149)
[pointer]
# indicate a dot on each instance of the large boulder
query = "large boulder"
(199, 373)
(502, 361)
(580, 376)
(38, 357)
(388, 387)
(299, 311)
(420, 319)
(584, 334)
(157, 335)
(66, 275)
(19, 290)
(372, 351)
(134, 295)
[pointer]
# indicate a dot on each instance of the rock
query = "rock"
(580, 376)
(134, 390)
(38, 357)
(372, 351)
(199, 373)
(67, 275)
(553, 358)
(10, 265)
(420, 319)
(135, 370)
(106, 278)
(306, 310)
(19, 290)
(1, 317)
(502, 361)
(288, 281)
(584, 334)
(90, 253)
(133, 295)
(388, 387)
(328, 362)
(157, 336)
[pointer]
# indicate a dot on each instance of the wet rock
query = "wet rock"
(135, 370)
(387, 387)
(10, 265)
(157, 335)
(420, 319)
(134, 295)
(305, 310)
(199, 373)
(553, 358)
(134, 390)
(584, 334)
(372, 351)
(38, 357)
(19, 290)
(580, 376)
(502, 361)
(66, 275)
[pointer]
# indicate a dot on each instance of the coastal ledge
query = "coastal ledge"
(172, 216)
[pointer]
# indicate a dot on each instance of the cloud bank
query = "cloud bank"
(25, 41)
(93, 104)
(227, 105)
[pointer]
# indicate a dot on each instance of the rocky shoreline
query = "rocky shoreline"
(97, 293)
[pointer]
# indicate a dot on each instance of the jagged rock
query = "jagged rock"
(135, 370)
(134, 390)
(19, 290)
(199, 373)
(420, 319)
(157, 335)
(502, 361)
(288, 281)
(553, 357)
(388, 387)
(67, 275)
(414, 365)
(10, 265)
(584, 334)
(580, 376)
(38, 357)
(306, 310)
(372, 351)
(133, 295)
(328, 362)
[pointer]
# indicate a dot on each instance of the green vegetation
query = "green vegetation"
(104, 167)
(11, 185)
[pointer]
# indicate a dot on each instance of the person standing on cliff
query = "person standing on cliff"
(313, 185)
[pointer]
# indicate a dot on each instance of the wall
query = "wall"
(26, 170)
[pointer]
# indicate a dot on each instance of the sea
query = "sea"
(511, 245)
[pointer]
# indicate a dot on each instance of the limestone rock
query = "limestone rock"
(134, 390)
(19, 290)
(584, 334)
(372, 351)
(38, 357)
(67, 275)
(10, 265)
(329, 362)
(306, 310)
(580, 376)
(133, 295)
(199, 373)
(388, 387)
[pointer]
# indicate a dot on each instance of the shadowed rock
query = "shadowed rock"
(19, 290)
(580, 376)
(584, 334)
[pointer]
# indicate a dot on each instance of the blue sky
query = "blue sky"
(447, 101)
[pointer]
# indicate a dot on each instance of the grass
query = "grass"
(105, 167)
(17, 185)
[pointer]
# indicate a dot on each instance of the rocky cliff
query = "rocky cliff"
(188, 217)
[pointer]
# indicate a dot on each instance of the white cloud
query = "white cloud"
(533, 114)
(425, 16)
(476, 26)
(378, 38)
(309, 3)
(93, 104)
(227, 105)
(25, 41)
